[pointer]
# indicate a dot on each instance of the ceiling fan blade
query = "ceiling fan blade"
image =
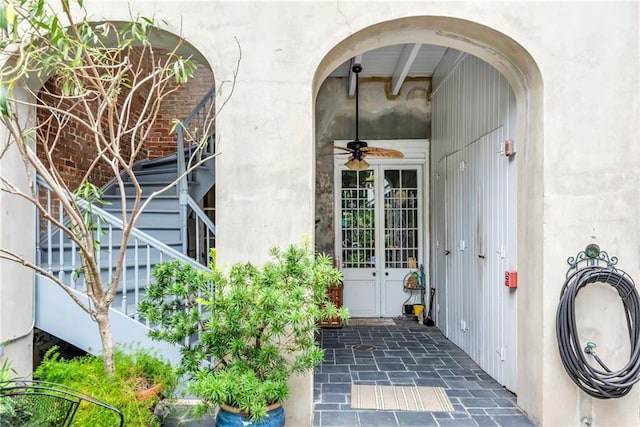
(382, 152)
(350, 150)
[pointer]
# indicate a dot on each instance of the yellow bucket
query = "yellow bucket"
(418, 309)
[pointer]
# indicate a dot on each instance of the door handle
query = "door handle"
(374, 273)
(386, 273)
(447, 252)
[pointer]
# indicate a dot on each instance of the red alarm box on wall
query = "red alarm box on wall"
(511, 279)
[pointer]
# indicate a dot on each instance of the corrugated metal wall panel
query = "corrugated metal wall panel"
(474, 215)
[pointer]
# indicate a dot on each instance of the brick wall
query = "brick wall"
(68, 147)
(178, 105)
(74, 150)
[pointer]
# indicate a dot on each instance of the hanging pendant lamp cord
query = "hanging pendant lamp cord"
(579, 359)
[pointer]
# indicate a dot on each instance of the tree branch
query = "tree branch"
(12, 256)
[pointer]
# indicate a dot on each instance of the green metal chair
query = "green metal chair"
(44, 404)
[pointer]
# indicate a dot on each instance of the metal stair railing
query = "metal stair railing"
(57, 254)
(204, 232)
(199, 128)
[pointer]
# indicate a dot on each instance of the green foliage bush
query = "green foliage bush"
(257, 329)
(135, 370)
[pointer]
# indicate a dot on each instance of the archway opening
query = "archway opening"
(512, 84)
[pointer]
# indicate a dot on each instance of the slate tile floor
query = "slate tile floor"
(406, 354)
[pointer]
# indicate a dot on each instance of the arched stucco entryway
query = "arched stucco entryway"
(520, 70)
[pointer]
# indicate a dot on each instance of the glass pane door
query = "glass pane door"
(378, 236)
(400, 218)
(358, 219)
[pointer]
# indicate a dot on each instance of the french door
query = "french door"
(379, 233)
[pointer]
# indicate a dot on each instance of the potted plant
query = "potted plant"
(257, 329)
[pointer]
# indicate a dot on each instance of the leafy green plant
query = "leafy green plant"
(258, 327)
(8, 409)
(136, 370)
(6, 371)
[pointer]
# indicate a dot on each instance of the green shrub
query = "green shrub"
(135, 370)
(257, 328)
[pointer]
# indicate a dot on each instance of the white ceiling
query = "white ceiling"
(396, 61)
(382, 62)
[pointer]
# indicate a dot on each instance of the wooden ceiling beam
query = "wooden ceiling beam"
(408, 55)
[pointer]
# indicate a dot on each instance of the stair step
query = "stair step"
(131, 307)
(150, 168)
(159, 202)
(171, 159)
(161, 232)
(105, 257)
(164, 162)
(153, 175)
(168, 160)
(67, 245)
(155, 218)
(147, 189)
(131, 280)
(164, 232)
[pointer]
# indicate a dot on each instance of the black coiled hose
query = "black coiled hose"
(601, 383)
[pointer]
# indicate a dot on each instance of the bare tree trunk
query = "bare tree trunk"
(108, 354)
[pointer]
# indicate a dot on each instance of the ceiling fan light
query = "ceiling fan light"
(357, 165)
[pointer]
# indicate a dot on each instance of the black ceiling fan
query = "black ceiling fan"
(357, 149)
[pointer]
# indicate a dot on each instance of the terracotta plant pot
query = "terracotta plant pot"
(234, 417)
(149, 392)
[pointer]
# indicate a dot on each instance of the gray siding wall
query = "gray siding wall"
(473, 208)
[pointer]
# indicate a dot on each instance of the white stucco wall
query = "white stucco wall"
(17, 234)
(574, 67)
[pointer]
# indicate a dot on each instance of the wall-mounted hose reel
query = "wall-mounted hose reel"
(581, 361)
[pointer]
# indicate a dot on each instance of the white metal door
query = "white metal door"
(440, 248)
(481, 242)
(380, 229)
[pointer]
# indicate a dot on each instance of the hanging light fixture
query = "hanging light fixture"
(356, 162)
(360, 149)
